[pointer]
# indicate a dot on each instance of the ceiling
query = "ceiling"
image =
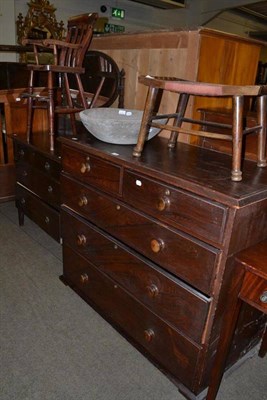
(257, 10)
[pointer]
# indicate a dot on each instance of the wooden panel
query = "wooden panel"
(148, 283)
(192, 214)
(172, 350)
(91, 170)
(228, 61)
(42, 214)
(182, 255)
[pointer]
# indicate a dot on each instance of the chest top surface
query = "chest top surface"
(197, 170)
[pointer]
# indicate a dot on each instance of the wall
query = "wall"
(7, 29)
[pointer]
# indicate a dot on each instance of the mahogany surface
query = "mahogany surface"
(150, 243)
(249, 284)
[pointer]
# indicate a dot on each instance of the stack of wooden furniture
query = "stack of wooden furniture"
(151, 242)
(151, 246)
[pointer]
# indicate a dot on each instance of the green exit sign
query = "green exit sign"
(117, 13)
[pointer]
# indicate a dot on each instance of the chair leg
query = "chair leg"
(262, 120)
(238, 105)
(150, 104)
(51, 109)
(180, 111)
(81, 91)
(70, 104)
(30, 107)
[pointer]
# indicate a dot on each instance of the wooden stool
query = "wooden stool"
(249, 284)
(187, 89)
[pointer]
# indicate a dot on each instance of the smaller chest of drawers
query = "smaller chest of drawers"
(37, 191)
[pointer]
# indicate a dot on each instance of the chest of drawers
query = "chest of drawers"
(37, 186)
(150, 244)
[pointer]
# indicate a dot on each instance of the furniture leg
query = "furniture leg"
(148, 111)
(227, 330)
(30, 107)
(21, 216)
(262, 119)
(263, 348)
(238, 105)
(51, 109)
(181, 107)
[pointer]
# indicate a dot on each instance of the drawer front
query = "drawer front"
(187, 258)
(41, 184)
(170, 349)
(173, 301)
(26, 155)
(92, 170)
(43, 215)
(254, 291)
(192, 214)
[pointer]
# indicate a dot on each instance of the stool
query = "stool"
(185, 89)
(249, 284)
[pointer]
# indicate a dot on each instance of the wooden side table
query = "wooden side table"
(249, 285)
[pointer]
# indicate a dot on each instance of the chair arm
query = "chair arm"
(60, 43)
(34, 42)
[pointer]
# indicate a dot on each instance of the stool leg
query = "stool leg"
(238, 105)
(262, 120)
(180, 111)
(148, 112)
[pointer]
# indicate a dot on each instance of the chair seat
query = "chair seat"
(55, 68)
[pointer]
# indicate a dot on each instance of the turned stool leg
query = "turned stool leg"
(180, 111)
(238, 105)
(148, 112)
(262, 120)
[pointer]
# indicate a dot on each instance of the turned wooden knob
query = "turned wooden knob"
(82, 201)
(81, 240)
(149, 334)
(163, 203)
(50, 189)
(153, 290)
(84, 278)
(47, 166)
(156, 245)
(85, 167)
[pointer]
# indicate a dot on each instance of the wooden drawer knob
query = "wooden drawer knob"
(153, 290)
(163, 203)
(47, 220)
(81, 240)
(85, 167)
(21, 153)
(50, 189)
(156, 245)
(84, 278)
(24, 173)
(82, 201)
(47, 166)
(263, 297)
(149, 334)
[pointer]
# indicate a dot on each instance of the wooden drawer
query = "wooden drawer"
(43, 215)
(189, 259)
(254, 291)
(48, 166)
(190, 213)
(41, 184)
(92, 170)
(171, 350)
(172, 300)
